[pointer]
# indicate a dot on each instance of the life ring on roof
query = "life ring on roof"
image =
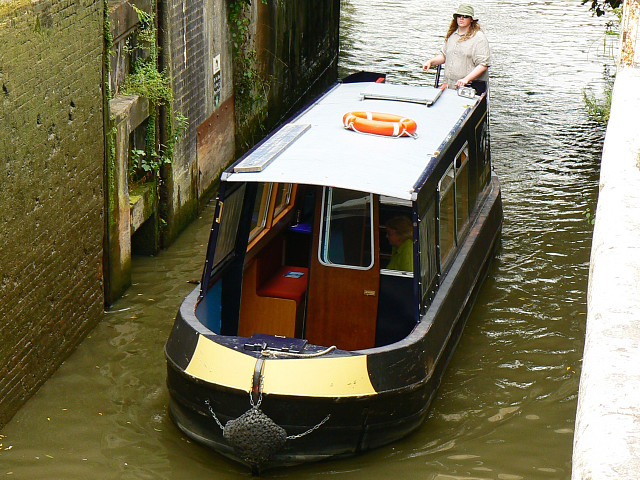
(380, 124)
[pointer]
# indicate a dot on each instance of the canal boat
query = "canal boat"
(305, 338)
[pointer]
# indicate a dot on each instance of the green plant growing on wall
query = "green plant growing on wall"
(146, 80)
(591, 217)
(110, 137)
(599, 108)
(250, 86)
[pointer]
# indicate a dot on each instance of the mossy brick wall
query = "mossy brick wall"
(297, 46)
(51, 188)
(183, 53)
(296, 43)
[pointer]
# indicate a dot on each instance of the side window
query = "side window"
(283, 198)
(484, 160)
(446, 190)
(260, 209)
(428, 255)
(396, 235)
(462, 190)
(347, 229)
(228, 220)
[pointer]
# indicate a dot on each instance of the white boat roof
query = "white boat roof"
(316, 149)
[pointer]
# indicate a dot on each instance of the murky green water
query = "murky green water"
(506, 407)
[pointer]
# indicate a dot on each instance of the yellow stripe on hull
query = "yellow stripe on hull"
(307, 377)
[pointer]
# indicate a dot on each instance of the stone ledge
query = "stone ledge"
(607, 432)
(132, 109)
(142, 199)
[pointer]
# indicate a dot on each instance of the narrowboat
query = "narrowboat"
(340, 270)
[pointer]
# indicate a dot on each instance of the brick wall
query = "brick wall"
(182, 23)
(296, 44)
(51, 188)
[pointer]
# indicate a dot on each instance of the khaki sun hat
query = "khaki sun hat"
(465, 10)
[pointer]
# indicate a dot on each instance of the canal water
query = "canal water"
(506, 407)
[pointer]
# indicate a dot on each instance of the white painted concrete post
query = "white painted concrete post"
(607, 433)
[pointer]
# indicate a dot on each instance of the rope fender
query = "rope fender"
(378, 123)
(255, 437)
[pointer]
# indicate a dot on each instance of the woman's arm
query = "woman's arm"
(472, 75)
(437, 60)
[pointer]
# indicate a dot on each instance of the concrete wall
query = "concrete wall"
(607, 432)
(194, 42)
(51, 188)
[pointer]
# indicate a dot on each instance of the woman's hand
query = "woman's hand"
(462, 82)
(437, 60)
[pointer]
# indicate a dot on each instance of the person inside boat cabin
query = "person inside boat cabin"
(465, 52)
(400, 234)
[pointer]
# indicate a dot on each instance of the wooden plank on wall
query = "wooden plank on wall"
(216, 144)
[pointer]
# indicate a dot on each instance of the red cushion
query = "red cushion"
(286, 283)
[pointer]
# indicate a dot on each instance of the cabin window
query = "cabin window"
(395, 229)
(228, 220)
(283, 198)
(446, 189)
(260, 209)
(462, 190)
(484, 161)
(347, 229)
(428, 256)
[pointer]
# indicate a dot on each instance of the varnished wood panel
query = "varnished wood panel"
(274, 316)
(343, 302)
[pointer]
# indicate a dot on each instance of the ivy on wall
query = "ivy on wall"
(146, 80)
(250, 86)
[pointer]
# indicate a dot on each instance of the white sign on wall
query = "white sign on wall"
(217, 80)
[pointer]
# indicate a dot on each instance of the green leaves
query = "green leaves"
(250, 85)
(147, 81)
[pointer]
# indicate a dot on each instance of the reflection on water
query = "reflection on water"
(506, 407)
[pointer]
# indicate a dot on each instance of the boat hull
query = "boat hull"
(353, 425)
(403, 376)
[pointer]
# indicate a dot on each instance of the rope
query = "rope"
(275, 353)
(351, 126)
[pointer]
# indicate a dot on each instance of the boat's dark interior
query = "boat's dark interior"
(321, 277)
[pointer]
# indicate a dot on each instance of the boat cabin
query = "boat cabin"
(327, 236)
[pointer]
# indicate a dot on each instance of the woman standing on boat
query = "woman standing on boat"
(465, 51)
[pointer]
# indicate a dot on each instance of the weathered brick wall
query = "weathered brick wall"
(51, 188)
(195, 32)
(296, 44)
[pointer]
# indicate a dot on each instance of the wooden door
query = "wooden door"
(343, 300)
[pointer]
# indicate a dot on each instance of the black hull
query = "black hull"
(405, 374)
(354, 425)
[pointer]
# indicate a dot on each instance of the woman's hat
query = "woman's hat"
(465, 10)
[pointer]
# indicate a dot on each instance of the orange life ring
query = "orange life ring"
(379, 124)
